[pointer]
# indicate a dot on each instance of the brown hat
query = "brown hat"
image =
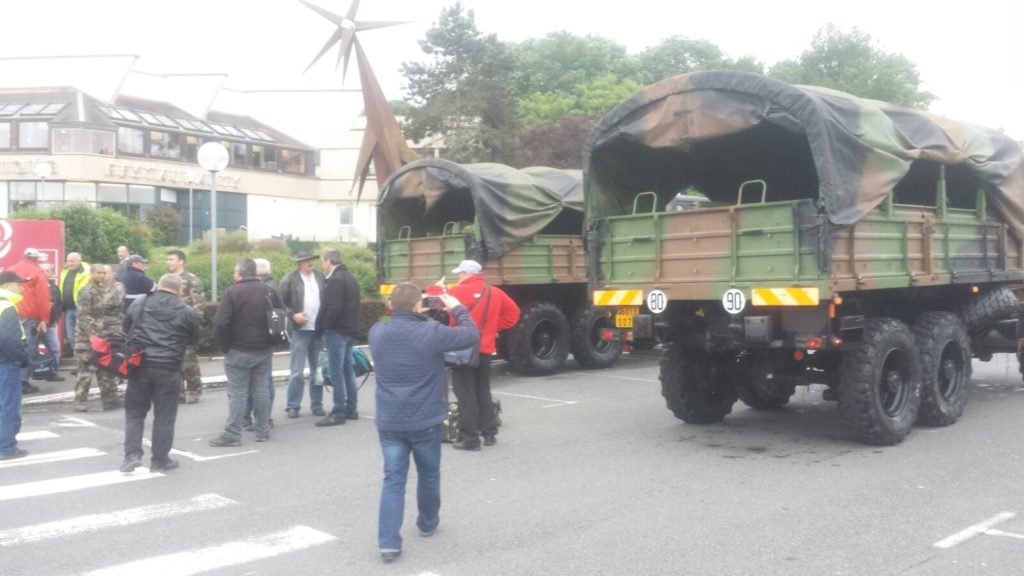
(6, 277)
(303, 255)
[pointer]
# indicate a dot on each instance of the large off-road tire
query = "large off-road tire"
(880, 383)
(945, 352)
(991, 306)
(539, 343)
(587, 347)
(694, 390)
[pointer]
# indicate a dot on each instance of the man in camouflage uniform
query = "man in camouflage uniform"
(192, 295)
(99, 313)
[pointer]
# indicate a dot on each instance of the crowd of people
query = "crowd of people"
(323, 313)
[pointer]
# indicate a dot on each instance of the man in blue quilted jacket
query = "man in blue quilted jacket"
(408, 353)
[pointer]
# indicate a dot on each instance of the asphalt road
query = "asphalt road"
(591, 475)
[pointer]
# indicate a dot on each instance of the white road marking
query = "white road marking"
(1001, 533)
(70, 422)
(612, 376)
(72, 483)
(541, 398)
(96, 522)
(198, 458)
(972, 531)
(37, 435)
(49, 457)
(223, 555)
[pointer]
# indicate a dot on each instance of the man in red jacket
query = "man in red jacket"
(34, 307)
(493, 311)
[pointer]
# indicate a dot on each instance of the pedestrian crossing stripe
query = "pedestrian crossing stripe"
(618, 297)
(73, 483)
(121, 518)
(784, 297)
(223, 555)
(51, 457)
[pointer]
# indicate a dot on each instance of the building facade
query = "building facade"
(60, 145)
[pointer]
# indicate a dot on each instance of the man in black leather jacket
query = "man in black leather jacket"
(164, 325)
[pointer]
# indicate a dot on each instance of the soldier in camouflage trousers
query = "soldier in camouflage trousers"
(99, 313)
(192, 295)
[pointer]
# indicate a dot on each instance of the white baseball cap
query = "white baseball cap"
(468, 266)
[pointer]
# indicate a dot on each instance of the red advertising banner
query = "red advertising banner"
(47, 236)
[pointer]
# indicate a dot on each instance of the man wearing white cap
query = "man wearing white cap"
(34, 307)
(493, 311)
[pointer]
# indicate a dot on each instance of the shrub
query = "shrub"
(165, 222)
(235, 242)
(95, 233)
(371, 312)
(264, 245)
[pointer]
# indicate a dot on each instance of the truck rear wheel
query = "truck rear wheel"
(879, 383)
(991, 306)
(589, 350)
(694, 390)
(945, 352)
(539, 343)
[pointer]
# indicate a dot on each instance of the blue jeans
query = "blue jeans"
(342, 371)
(247, 371)
(31, 328)
(52, 344)
(70, 319)
(305, 348)
(10, 406)
(425, 446)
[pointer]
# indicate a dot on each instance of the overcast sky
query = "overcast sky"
(970, 57)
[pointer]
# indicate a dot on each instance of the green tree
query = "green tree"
(464, 92)
(853, 63)
(558, 145)
(560, 61)
(117, 230)
(679, 55)
(593, 98)
(165, 222)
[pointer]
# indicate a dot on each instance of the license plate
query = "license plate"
(624, 316)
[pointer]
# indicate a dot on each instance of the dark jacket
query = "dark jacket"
(166, 327)
(339, 304)
(13, 345)
(241, 319)
(56, 304)
(408, 353)
(293, 293)
(136, 285)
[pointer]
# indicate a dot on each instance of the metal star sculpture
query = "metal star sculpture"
(345, 35)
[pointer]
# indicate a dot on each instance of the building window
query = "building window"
(190, 149)
(5, 135)
(269, 161)
(20, 190)
(33, 135)
(239, 153)
(164, 144)
(80, 192)
(345, 215)
(51, 191)
(255, 155)
(130, 140)
(79, 141)
(112, 194)
(293, 161)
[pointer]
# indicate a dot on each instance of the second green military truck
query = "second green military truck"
(525, 227)
(847, 242)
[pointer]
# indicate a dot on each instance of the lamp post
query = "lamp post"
(43, 169)
(213, 157)
(193, 179)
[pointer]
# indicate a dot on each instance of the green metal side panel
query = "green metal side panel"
(422, 260)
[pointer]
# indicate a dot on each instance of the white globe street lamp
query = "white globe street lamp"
(213, 157)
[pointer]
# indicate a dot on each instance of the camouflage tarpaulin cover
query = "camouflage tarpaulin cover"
(714, 130)
(509, 205)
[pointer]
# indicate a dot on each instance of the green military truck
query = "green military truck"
(525, 227)
(845, 242)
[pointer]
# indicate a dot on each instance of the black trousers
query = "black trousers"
(155, 385)
(472, 388)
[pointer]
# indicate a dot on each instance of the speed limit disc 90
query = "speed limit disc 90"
(733, 301)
